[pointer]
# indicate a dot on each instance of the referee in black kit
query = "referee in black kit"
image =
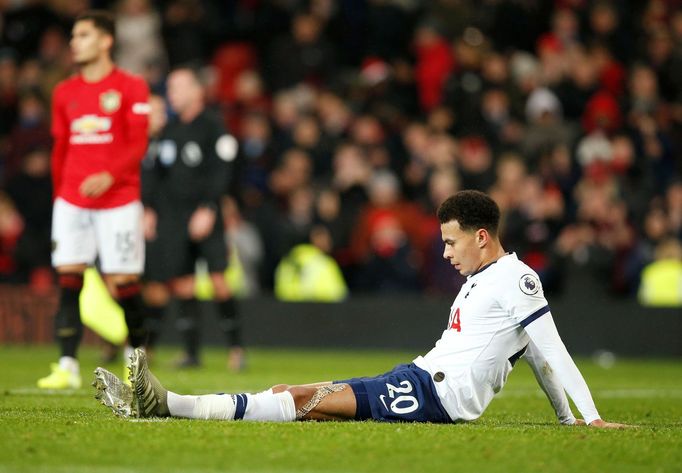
(183, 185)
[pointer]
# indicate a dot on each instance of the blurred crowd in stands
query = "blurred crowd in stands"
(356, 118)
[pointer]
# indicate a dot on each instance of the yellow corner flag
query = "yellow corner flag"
(99, 311)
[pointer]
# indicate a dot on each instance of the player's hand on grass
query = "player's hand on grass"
(96, 184)
(201, 223)
(602, 424)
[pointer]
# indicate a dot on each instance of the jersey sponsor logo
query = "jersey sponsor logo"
(141, 108)
(529, 284)
(110, 101)
(168, 151)
(191, 154)
(89, 124)
(226, 148)
(88, 130)
(91, 139)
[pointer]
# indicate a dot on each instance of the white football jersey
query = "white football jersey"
(471, 361)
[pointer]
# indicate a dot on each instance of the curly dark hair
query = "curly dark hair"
(472, 210)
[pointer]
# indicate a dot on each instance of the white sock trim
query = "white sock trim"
(69, 364)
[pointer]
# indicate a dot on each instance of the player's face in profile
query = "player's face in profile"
(461, 248)
(87, 42)
(183, 90)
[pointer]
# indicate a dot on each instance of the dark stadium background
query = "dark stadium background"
(356, 117)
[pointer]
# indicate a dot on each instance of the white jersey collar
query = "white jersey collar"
(483, 268)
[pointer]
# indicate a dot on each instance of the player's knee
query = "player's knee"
(156, 294)
(220, 287)
(301, 394)
(279, 388)
(183, 287)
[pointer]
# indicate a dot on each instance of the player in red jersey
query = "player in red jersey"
(99, 125)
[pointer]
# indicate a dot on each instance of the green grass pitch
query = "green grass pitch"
(71, 432)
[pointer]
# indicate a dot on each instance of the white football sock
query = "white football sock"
(127, 353)
(263, 406)
(69, 364)
(209, 406)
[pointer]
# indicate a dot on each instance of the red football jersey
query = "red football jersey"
(99, 126)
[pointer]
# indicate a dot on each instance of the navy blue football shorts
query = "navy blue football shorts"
(404, 394)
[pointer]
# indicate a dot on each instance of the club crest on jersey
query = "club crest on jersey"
(191, 154)
(529, 284)
(110, 101)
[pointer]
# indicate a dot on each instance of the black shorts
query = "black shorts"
(174, 254)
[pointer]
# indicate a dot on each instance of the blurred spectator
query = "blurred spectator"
(304, 55)
(245, 251)
(662, 279)
(308, 137)
(475, 164)
(602, 236)
(138, 35)
(31, 191)
(656, 229)
(568, 112)
(31, 131)
(8, 91)
(546, 125)
(24, 24)
(388, 238)
(11, 228)
(465, 85)
(579, 84)
(437, 276)
(307, 274)
(184, 33)
(434, 63)
(54, 58)
(674, 205)
(256, 159)
(607, 27)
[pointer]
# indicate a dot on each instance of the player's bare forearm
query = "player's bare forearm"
(97, 184)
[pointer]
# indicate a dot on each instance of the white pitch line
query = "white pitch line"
(47, 392)
(151, 419)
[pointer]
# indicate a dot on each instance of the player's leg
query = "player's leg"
(230, 323)
(121, 251)
(309, 402)
(160, 262)
(156, 296)
(189, 319)
(74, 248)
(213, 251)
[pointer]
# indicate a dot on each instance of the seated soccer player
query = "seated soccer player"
(499, 315)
